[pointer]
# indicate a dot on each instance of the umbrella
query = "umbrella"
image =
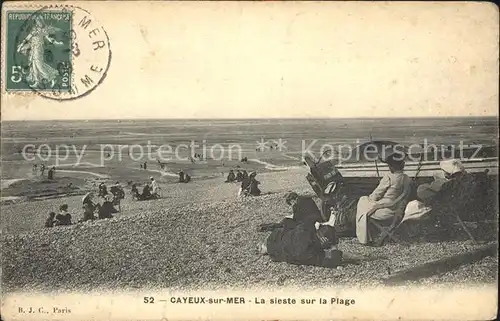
(86, 196)
(378, 149)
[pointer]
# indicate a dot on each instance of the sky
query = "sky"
(285, 60)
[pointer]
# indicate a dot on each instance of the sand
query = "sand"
(197, 235)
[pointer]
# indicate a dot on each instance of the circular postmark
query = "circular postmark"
(60, 52)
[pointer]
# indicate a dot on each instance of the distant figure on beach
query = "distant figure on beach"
(141, 165)
(135, 192)
(230, 177)
(103, 190)
(253, 188)
(51, 172)
(42, 169)
(34, 169)
(181, 177)
(49, 222)
(118, 194)
(187, 178)
(146, 192)
(249, 186)
(88, 207)
(154, 187)
(63, 217)
(145, 165)
(107, 209)
(239, 176)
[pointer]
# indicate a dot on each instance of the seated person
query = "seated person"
(388, 200)
(88, 207)
(300, 240)
(135, 192)
(153, 187)
(63, 217)
(49, 222)
(253, 185)
(146, 192)
(106, 209)
(453, 186)
(118, 193)
(103, 190)
(239, 176)
(230, 177)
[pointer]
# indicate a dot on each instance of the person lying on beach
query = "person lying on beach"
(63, 217)
(302, 240)
(49, 222)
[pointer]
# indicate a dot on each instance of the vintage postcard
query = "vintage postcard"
(249, 160)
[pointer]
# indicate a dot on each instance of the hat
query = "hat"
(452, 166)
(254, 173)
(151, 178)
(290, 196)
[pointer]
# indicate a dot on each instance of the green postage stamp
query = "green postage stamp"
(38, 51)
(59, 52)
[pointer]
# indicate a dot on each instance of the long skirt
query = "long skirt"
(364, 206)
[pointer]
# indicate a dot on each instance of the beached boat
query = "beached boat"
(364, 174)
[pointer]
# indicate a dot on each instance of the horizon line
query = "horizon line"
(256, 118)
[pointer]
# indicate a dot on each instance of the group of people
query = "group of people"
(50, 174)
(150, 190)
(105, 210)
(249, 184)
(61, 218)
(184, 177)
(397, 199)
(239, 176)
(310, 237)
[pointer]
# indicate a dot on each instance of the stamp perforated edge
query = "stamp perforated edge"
(12, 6)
